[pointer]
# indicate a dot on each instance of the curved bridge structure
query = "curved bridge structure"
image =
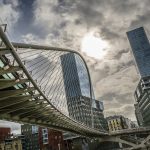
(32, 79)
(31, 86)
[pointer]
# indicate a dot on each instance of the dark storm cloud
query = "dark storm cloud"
(141, 20)
(119, 54)
(89, 14)
(108, 34)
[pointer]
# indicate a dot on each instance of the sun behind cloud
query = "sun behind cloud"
(94, 46)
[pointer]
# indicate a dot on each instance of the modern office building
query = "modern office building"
(138, 114)
(98, 117)
(142, 106)
(141, 51)
(77, 88)
(80, 109)
(76, 80)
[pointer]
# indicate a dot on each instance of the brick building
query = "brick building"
(42, 138)
(4, 133)
(50, 139)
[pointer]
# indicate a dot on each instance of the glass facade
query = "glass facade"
(77, 89)
(141, 50)
(99, 105)
(83, 77)
(142, 106)
(76, 80)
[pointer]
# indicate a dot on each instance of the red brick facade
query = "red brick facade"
(4, 133)
(55, 140)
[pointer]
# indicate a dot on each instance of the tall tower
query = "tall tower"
(70, 75)
(77, 88)
(141, 50)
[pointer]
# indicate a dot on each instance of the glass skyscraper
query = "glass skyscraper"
(77, 89)
(76, 80)
(141, 50)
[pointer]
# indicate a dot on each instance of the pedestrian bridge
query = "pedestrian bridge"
(32, 88)
(32, 91)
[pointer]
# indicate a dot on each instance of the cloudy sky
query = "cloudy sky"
(67, 23)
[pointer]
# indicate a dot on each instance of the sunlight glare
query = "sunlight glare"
(94, 46)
